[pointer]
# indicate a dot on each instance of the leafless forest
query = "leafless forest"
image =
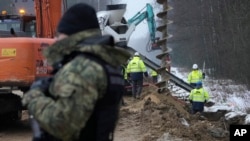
(216, 32)
(212, 31)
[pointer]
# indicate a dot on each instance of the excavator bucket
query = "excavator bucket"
(116, 12)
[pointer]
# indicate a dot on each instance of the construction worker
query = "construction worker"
(125, 78)
(136, 69)
(198, 97)
(195, 76)
(81, 101)
(154, 76)
(125, 74)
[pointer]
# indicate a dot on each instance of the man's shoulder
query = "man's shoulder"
(85, 66)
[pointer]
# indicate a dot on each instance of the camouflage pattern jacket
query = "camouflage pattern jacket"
(76, 86)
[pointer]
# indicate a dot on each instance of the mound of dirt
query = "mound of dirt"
(156, 115)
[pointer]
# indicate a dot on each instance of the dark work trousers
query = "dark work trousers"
(126, 83)
(137, 88)
(197, 107)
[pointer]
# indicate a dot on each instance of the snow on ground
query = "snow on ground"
(225, 93)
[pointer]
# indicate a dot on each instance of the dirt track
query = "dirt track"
(155, 117)
(16, 131)
(159, 117)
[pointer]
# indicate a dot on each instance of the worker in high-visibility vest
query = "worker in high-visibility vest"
(195, 76)
(125, 77)
(136, 69)
(198, 97)
(154, 76)
(124, 72)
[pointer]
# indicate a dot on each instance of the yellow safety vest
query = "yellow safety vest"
(199, 95)
(195, 76)
(136, 65)
(124, 72)
(153, 73)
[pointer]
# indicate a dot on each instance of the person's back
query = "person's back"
(82, 101)
(194, 76)
(136, 69)
(198, 96)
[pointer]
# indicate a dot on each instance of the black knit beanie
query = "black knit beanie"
(77, 18)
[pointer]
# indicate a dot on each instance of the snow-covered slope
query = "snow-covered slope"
(226, 94)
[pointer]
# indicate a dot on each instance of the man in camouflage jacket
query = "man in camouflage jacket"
(79, 92)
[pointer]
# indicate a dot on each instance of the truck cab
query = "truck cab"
(16, 25)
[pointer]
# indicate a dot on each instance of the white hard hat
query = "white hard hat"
(136, 53)
(195, 66)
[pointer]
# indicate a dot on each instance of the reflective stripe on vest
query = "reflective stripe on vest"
(136, 65)
(195, 76)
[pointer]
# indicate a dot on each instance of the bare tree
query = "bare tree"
(212, 31)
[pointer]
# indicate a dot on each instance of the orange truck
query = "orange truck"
(21, 60)
(21, 63)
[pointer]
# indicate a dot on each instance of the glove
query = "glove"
(190, 101)
(145, 74)
(38, 88)
(203, 75)
(42, 84)
(30, 95)
(205, 101)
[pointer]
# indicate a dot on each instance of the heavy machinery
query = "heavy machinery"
(41, 25)
(16, 25)
(21, 63)
(21, 59)
(113, 23)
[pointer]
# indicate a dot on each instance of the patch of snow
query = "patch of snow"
(247, 119)
(231, 115)
(184, 122)
(218, 108)
(168, 137)
(224, 93)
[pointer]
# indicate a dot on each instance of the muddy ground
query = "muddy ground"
(154, 117)
(161, 117)
(16, 131)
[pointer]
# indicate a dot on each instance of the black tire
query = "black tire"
(17, 116)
